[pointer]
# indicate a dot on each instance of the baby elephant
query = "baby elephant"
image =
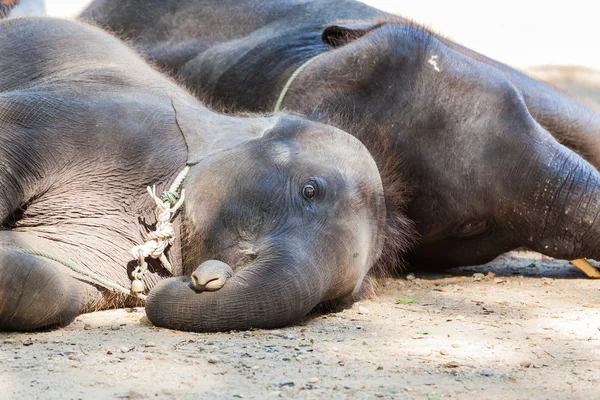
(279, 214)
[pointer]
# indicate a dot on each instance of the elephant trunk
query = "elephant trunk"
(567, 206)
(272, 291)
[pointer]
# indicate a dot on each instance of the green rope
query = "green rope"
(170, 197)
(97, 278)
(290, 81)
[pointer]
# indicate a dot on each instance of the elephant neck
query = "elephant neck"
(175, 255)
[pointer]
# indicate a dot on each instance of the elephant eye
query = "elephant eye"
(308, 191)
(472, 228)
(466, 228)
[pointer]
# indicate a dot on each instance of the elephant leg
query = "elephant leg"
(35, 293)
(165, 55)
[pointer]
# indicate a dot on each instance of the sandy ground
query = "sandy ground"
(522, 327)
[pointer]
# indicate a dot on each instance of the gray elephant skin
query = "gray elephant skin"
(495, 160)
(280, 214)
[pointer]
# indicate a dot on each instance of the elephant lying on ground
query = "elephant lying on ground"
(294, 210)
(496, 159)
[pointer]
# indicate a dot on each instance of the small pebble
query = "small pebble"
(149, 344)
(124, 349)
(286, 383)
(443, 352)
(314, 379)
(498, 280)
(380, 368)
(525, 364)
(451, 364)
(116, 327)
(363, 310)
(410, 277)
(213, 360)
(455, 345)
(87, 327)
(9, 341)
(478, 276)
(487, 372)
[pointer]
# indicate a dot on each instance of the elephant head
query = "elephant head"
(278, 224)
(487, 176)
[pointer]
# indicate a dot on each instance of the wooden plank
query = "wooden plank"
(588, 269)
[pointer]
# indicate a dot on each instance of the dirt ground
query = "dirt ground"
(524, 326)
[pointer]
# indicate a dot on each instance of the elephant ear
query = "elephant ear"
(205, 131)
(338, 35)
(187, 120)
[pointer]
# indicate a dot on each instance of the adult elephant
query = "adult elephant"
(280, 214)
(496, 159)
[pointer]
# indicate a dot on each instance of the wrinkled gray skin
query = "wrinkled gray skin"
(497, 160)
(86, 125)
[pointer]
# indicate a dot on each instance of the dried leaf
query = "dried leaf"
(405, 301)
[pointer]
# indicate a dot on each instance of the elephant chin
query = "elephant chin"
(260, 295)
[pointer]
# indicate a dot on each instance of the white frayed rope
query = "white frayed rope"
(164, 234)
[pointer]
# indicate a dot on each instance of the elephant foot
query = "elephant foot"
(211, 275)
(35, 294)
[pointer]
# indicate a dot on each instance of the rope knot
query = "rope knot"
(170, 197)
(164, 234)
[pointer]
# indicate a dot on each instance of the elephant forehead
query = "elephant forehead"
(282, 152)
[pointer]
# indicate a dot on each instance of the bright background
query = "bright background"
(522, 33)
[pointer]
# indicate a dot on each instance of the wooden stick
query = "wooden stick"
(588, 269)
